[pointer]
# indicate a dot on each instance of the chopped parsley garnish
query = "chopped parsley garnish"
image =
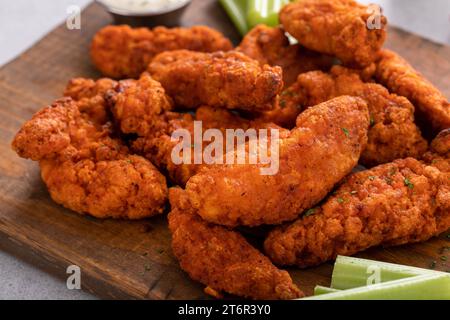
(433, 264)
(340, 200)
(346, 132)
(393, 171)
(372, 121)
(310, 212)
(408, 183)
(288, 93)
(283, 103)
(371, 178)
(443, 258)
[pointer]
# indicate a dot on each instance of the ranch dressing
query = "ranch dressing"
(147, 6)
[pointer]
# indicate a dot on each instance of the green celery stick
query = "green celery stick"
(423, 287)
(318, 290)
(264, 11)
(351, 272)
(236, 10)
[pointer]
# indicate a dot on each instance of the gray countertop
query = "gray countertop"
(23, 22)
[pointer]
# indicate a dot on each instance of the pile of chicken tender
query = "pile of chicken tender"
(338, 99)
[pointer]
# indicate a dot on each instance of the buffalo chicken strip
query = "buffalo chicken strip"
(393, 133)
(405, 201)
(271, 46)
(91, 97)
(222, 259)
(313, 157)
(143, 108)
(400, 77)
(87, 170)
(222, 79)
(338, 28)
(123, 52)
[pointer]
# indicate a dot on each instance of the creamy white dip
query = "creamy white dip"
(147, 6)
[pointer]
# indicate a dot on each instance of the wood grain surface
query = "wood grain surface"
(121, 259)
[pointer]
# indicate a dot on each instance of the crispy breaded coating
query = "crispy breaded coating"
(158, 148)
(91, 97)
(221, 79)
(123, 52)
(140, 107)
(338, 28)
(392, 134)
(400, 77)
(222, 259)
(326, 143)
(405, 201)
(291, 103)
(271, 46)
(85, 169)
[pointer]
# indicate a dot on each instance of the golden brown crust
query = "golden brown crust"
(140, 107)
(158, 148)
(222, 259)
(396, 203)
(271, 46)
(91, 97)
(85, 169)
(221, 79)
(393, 133)
(123, 52)
(337, 28)
(327, 143)
(400, 77)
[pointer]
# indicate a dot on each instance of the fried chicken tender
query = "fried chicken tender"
(123, 52)
(143, 108)
(222, 259)
(393, 133)
(400, 77)
(221, 79)
(338, 28)
(271, 46)
(91, 97)
(85, 169)
(140, 107)
(326, 143)
(159, 149)
(402, 202)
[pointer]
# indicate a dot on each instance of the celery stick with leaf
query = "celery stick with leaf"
(264, 11)
(236, 10)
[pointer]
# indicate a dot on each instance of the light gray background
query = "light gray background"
(23, 22)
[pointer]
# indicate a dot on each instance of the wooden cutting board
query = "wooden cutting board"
(121, 259)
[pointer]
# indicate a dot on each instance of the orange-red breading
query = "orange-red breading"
(400, 77)
(159, 149)
(222, 259)
(405, 201)
(318, 153)
(337, 28)
(91, 97)
(393, 133)
(140, 107)
(221, 79)
(85, 169)
(271, 46)
(123, 52)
